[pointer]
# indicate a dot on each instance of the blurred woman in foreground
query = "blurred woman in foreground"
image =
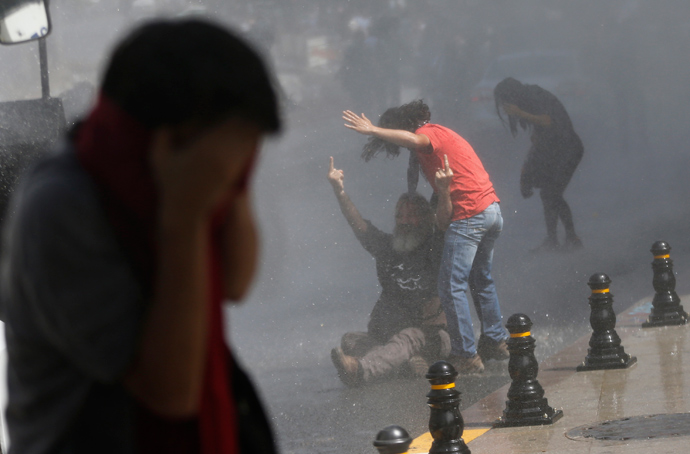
(123, 246)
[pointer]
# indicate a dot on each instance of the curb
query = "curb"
(633, 316)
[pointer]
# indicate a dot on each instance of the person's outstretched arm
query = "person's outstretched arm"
(167, 372)
(444, 208)
(336, 177)
(402, 138)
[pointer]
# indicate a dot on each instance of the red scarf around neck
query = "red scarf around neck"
(113, 148)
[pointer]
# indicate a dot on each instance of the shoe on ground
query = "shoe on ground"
(348, 367)
(467, 366)
(488, 348)
(418, 366)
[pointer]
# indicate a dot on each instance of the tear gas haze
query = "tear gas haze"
(619, 67)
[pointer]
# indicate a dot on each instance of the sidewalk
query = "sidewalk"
(656, 385)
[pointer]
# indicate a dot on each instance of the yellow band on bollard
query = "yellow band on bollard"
(662, 256)
(521, 334)
(448, 386)
(604, 290)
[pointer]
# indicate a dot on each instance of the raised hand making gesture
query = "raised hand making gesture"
(444, 175)
(444, 209)
(336, 177)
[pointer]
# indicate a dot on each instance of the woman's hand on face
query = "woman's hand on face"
(511, 109)
(194, 178)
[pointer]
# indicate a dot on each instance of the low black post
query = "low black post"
(445, 422)
(605, 349)
(666, 308)
(526, 404)
(392, 440)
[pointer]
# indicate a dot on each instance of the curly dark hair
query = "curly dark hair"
(408, 117)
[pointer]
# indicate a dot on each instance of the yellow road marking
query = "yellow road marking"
(422, 444)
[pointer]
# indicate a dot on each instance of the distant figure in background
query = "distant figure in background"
(370, 68)
(357, 67)
(444, 72)
(387, 56)
(123, 247)
(555, 153)
(406, 328)
(467, 210)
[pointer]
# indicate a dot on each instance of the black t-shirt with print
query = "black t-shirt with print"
(407, 279)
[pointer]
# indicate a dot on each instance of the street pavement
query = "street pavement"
(640, 409)
(316, 282)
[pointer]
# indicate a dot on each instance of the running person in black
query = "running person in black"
(555, 153)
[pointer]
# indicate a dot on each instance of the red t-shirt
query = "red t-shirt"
(471, 190)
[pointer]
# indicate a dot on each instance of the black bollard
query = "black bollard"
(666, 308)
(445, 422)
(526, 404)
(392, 440)
(605, 349)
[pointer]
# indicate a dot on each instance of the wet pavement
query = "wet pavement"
(644, 408)
(316, 282)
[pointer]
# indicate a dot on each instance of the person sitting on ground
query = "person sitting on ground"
(406, 328)
(469, 213)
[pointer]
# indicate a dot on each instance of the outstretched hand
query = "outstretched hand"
(361, 124)
(336, 177)
(444, 175)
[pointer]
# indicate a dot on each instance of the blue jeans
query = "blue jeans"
(467, 255)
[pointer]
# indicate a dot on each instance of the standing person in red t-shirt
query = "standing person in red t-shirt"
(468, 210)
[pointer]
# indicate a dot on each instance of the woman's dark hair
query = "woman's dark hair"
(512, 91)
(170, 72)
(408, 117)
